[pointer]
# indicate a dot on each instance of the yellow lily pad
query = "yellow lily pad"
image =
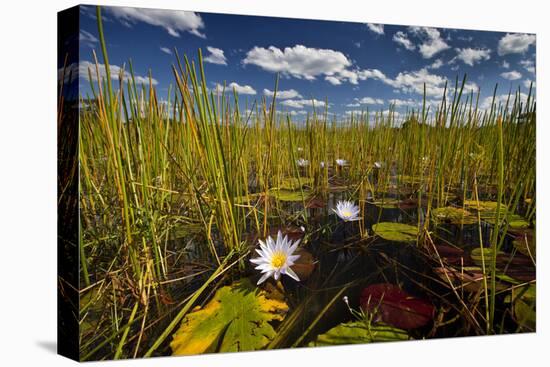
(238, 318)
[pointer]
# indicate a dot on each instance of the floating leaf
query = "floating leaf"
(396, 307)
(451, 255)
(398, 232)
(386, 203)
(524, 306)
(359, 333)
(453, 215)
(470, 278)
(293, 183)
(236, 319)
(288, 195)
(486, 253)
(517, 222)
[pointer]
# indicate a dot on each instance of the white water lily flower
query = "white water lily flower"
(377, 165)
(322, 164)
(302, 162)
(341, 162)
(276, 258)
(347, 211)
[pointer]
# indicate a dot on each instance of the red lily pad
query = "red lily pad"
(396, 307)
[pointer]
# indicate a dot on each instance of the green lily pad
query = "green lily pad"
(289, 195)
(487, 210)
(478, 254)
(397, 232)
(524, 306)
(517, 222)
(293, 183)
(453, 215)
(359, 333)
(386, 203)
(236, 319)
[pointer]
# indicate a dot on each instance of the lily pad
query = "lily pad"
(358, 333)
(238, 318)
(524, 306)
(290, 195)
(293, 183)
(396, 307)
(397, 232)
(453, 215)
(478, 254)
(470, 278)
(386, 203)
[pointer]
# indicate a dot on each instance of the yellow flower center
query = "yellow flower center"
(278, 259)
(346, 213)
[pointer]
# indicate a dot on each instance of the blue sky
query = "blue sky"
(354, 66)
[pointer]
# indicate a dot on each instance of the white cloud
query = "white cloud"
(216, 56)
(370, 100)
(283, 94)
(515, 43)
(436, 64)
(376, 28)
(240, 89)
(301, 62)
(471, 56)
(529, 65)
(511, 75)
(432, 43)
(333, 80)
(173, 21)
(506, 64)
(301, 103)
(166, 50)
(87, 38)
(402, 39)
(84, 66)
(403, 102)
(353, 104)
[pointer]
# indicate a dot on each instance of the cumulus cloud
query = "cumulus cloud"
(166, 50)
(506, 64)
(515, 43)
(283, 94)
(436, 64)
(240, 89)
(529, 65)
(116, 71)
(511, 75)
(432, 43)
(370, 100)
(403, 102)
(300, 61)
(471, 56)
(174, 22)
(216, 56)
(376, 28)
(527, 83)
(301, 103)
(402, 39)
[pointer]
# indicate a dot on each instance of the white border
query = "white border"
(28, 181)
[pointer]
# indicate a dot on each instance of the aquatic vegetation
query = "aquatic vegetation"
(398, 232)
(174, 200)
(236, 319)
(358, 332)
(347, 211)
(276, 258)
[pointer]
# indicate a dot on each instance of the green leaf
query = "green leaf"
(293, 183)
(359, 333)
(453, 215)
(524, 306)
(485, 253)
(288, 195)
(236, 319)
(398, 232)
